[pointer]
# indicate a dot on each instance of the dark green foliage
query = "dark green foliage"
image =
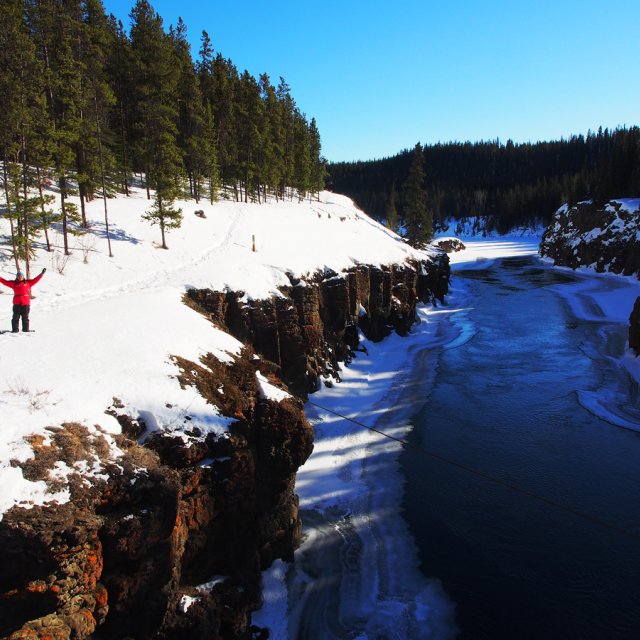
(513, 183)
(318, 170)
(391, 214)
(88, 105)
(164, 214)
(417, 216)
(22, 121)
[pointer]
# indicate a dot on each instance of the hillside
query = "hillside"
(107, 327)
(118, 359)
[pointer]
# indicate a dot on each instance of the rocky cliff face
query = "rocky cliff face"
(634, 328)
(315, 323)
(125, 556)
(170, 541)
(605, 238)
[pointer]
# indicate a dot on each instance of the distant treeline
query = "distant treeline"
(84, 101)
(513, 183)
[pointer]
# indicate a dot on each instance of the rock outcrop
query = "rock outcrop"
(605, 238)
(449, 245)
(314, 324)
(169, 539)
(126, 553)
(634, 327)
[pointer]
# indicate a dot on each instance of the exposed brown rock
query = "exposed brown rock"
(449, 245)
(51, 560)
(634, 328)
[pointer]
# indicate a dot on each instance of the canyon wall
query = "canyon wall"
(170, 541)
(605, 238)
(314, 324)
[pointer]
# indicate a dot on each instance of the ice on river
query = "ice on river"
(356, 574)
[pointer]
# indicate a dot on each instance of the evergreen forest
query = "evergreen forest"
(511, 184)
(87, 106)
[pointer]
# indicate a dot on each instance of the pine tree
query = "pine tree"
(119, 70)
(417, 217)
(210, 139)
(224, 101)
(318, 173)
(192, 114)
(157, 74)
(55, 35)
(270, 153)
(210, 155)
(99, 101)
(287, 108)
(302, 156)
(249, 134)
(392, 211)
(164, 214)
(24, 128)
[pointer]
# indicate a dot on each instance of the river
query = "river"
(519, 400)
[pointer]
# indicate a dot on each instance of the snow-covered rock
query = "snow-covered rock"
(449, 245)
(605, 238)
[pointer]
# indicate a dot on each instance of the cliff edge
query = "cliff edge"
(149, 466)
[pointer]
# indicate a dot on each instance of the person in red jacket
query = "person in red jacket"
(21, 299)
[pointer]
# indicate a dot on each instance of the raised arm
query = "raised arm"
(37, 278)
(7, 283)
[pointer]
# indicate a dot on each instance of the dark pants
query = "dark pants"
(20, 311)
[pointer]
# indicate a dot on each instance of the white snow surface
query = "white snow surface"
(107, 328)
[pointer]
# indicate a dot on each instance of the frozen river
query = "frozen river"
(536, 397)
(520, 376)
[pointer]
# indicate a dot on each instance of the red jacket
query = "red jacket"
(21, 289)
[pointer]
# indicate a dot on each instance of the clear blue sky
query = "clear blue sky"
(379, 76)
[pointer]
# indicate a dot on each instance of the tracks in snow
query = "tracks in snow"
(151, 280)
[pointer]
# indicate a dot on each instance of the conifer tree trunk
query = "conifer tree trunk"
(25, 191)
(62, 182)
(82, 191)
(45, 222)
(161, 216)
(14, 245)
(101, 157)
(125, 182)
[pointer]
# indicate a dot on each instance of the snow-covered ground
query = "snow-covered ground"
(107, 328)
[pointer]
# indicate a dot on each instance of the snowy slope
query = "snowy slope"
(107, 328)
